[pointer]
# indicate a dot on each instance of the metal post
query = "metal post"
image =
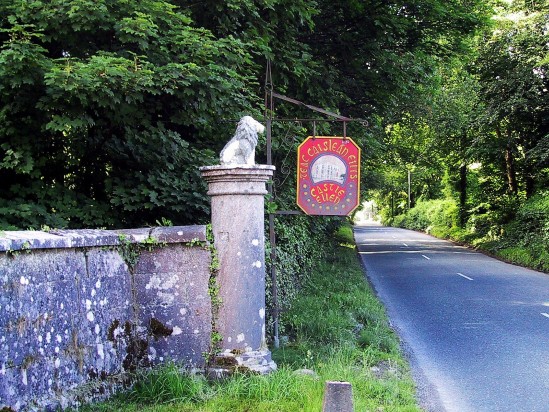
(272, 235)
(409, 189)
(269, 110)
(272, 240)
(268, 124)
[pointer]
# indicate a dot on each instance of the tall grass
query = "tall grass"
(337, 330)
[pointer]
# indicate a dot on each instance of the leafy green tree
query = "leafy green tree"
(494, 118)
(453, 118)
(415, 154)
(379, 57)
(107, 109)
(273, 29)
(379, 61)
(512, 67)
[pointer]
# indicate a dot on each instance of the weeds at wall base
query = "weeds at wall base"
(213, 291)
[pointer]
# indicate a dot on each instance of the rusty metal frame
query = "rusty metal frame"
(270, 95)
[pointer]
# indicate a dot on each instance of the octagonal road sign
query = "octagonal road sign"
(328, 175)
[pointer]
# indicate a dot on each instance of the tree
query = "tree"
(379, 57)
(107, 109)
(271, 28)
(454, 117)
(512, 67)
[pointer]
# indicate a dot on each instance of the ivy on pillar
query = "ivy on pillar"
(237, 204)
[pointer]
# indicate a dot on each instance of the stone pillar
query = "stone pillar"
(238, 222)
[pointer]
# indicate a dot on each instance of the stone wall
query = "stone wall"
(80, 308)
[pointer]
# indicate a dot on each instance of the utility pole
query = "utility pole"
(409, 189)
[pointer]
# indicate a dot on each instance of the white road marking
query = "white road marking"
(545, 314)
(421, 241)
(386, 252)
(428, 258)
(466, 277)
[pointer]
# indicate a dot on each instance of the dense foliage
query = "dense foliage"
(301, 243)
(108, 107)
(478, 155)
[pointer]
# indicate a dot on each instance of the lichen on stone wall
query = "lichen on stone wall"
(74, 319)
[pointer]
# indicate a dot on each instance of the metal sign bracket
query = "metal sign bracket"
(270, 95)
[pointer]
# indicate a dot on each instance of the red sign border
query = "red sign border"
(300, 181)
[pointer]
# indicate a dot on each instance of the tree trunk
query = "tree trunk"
(463, 182)
(530, 183)
(510, 167)
(511, 175)
(462, 194)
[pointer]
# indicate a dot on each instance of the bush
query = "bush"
(526, 239)
(515, 232)
(301, 242)
(427, 215)
(533, 216)
(484, 225)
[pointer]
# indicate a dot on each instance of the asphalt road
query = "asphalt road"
(476, 329)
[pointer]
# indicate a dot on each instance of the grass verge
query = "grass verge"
(335, 330)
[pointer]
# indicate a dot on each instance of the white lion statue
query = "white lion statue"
(241, 148)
